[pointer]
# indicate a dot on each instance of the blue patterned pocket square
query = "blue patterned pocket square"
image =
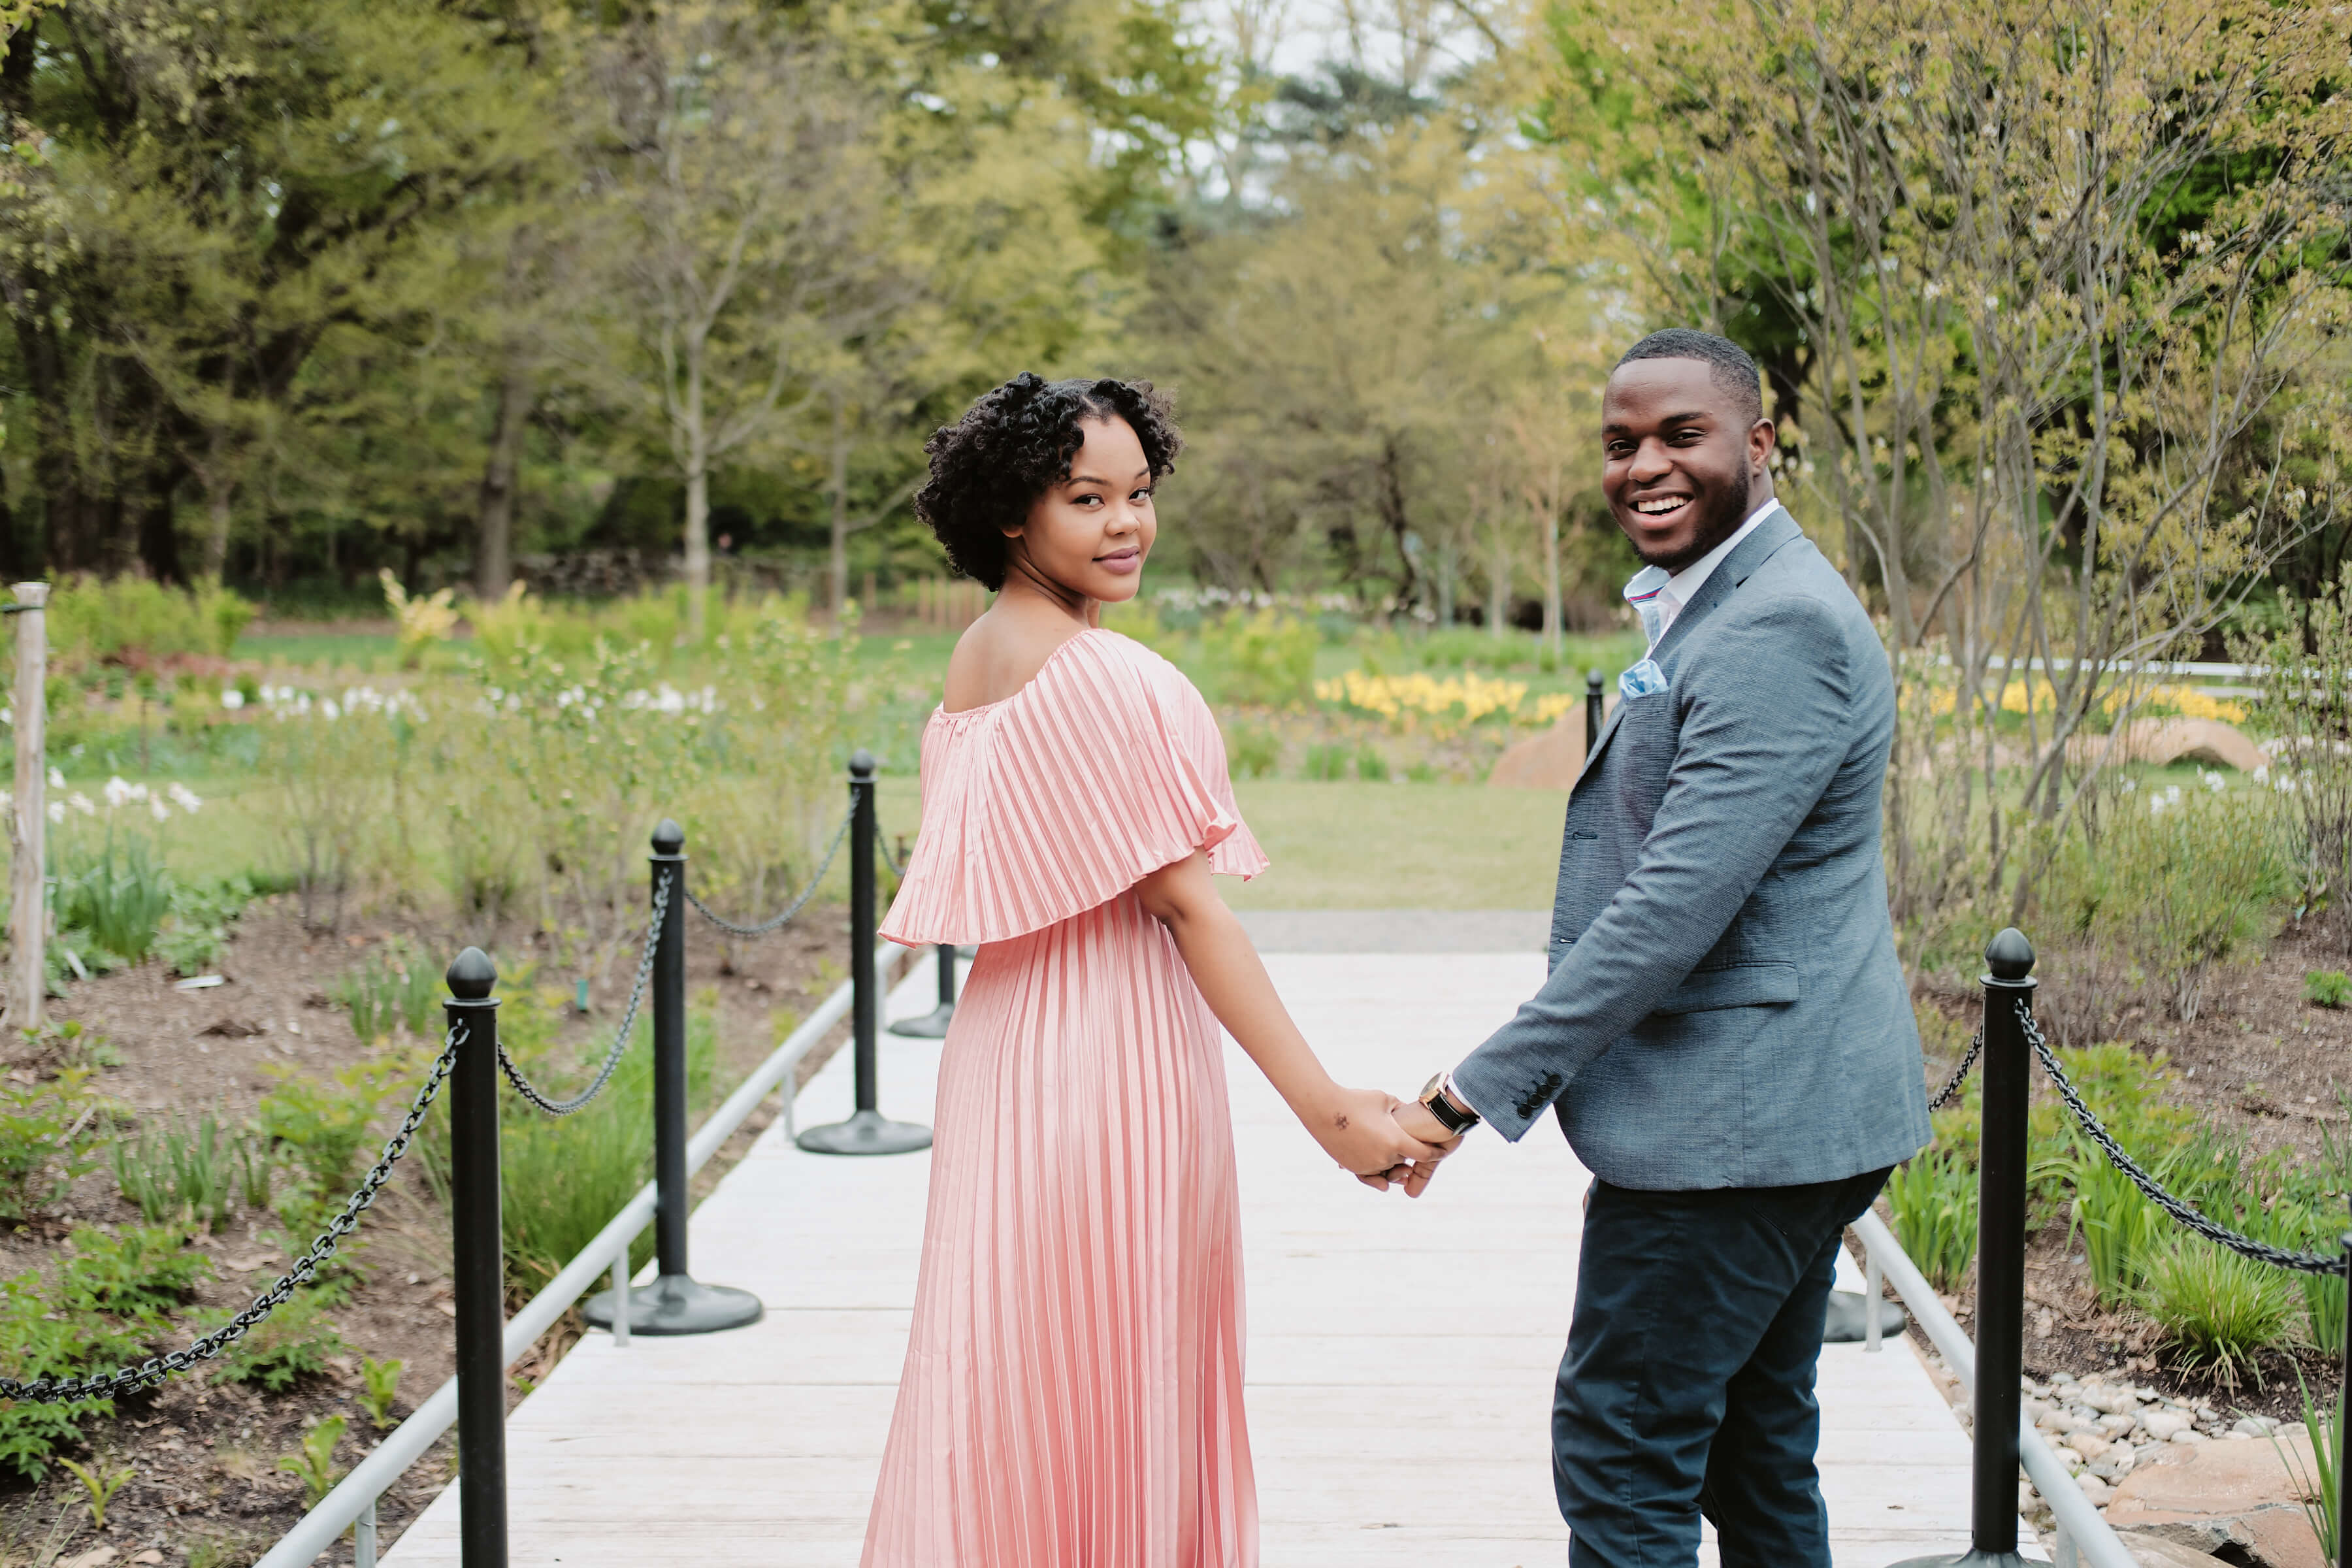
(1645, 679)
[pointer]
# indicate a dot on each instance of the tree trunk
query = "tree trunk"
(494, 511)
(698, 500)
(837, 484)
(1552, 627)
(1498, 581)
(159, 532)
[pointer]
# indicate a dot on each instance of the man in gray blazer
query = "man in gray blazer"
(1726, 1034)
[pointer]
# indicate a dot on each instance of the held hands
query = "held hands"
(1365, 1130)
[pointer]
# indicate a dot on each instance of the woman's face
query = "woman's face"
(1091, 532)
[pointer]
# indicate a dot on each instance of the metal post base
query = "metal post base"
(931, 1025)
(866, 1133)
(1970, 1560)
(677, 1304)
(1849, 1323)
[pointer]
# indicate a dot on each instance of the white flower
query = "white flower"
(117, 792)
(2261, 775)
(81, 803)
(327, 709)
(231, 700)
(159, 811)
(57, 811)
(2214, 781)
(57, 779)
(185, 798)
(2128, 785)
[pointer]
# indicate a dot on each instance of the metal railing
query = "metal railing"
(673, 1302)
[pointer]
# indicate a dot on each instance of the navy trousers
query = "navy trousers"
(1688, 1383)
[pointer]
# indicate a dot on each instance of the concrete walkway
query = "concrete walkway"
(761, 1446)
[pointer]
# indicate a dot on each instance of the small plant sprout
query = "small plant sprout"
(2328, 988)
(100, 1481)
(382, 1386)
(314, 1463)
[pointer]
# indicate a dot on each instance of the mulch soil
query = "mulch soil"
(204, 1453)
(2258, 1062)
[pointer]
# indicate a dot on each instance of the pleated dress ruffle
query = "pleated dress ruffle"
(1072, 1395)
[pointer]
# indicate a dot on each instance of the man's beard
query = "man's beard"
(1725, 514)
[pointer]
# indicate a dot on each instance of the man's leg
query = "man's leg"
(1762, 1490)
(1675, 1293)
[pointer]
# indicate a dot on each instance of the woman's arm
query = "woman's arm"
(1355, 1126)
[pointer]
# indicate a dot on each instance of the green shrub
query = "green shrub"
(1261, 659)
(2177, 878)
(45, 1144)
(1371, 766)
(293, 1342)
(392, 987)
(1327, 764)
(139, 1273)
(117, 896)
(321, 1126)
(314, 1463)
(1255, 750)
(380, 1387)
(2328, 988)
(94, 620)
(1932, 1199)
(2322, 1504)
(197, 927)
(2119, 1227)
(39, 1340)
(2216, 1308)
(175, 1172)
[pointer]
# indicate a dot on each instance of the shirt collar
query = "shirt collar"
(1657, 597)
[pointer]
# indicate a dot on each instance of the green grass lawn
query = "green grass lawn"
(359, 651)
(1352, 845)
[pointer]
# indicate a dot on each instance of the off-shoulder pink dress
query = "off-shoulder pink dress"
(1072, 1395)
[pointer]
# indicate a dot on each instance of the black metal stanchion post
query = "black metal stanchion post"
(1596, 710)
(2001, 1259)
(478, 1267)
(676, 1302)
(2342, 1401)
(933, 1025)
(867, 1132)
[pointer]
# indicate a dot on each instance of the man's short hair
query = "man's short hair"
(1726, 362)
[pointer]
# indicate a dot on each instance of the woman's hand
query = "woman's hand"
(1358, 1128)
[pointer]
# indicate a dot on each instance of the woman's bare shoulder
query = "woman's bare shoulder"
(1001, 653)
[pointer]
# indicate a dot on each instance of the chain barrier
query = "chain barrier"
(2219, 1235)
(155, 1369)
(882, 847)
(538, 1096)
(764, 927)
(1961, 1073)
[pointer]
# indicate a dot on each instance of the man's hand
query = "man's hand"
(1415, 1118)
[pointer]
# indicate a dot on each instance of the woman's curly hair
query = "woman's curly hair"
(1013, 443)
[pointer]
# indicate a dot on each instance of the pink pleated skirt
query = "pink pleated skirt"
(1072, 1397)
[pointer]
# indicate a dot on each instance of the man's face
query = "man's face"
(1681, 466)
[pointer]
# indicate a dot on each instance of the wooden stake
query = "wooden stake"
(28, 906)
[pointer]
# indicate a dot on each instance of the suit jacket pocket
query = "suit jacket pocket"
(1734, 985)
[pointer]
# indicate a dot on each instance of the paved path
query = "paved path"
(761, 1447)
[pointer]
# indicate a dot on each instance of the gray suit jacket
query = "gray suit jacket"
(1725, 1007)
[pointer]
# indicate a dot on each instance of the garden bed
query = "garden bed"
(205, 1487)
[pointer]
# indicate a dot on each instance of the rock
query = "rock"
(2164, 740)
(1551, 760)
(96, 1557)
(2191, 1436)
(2116, 1425)
(2255, 1426)
(2108, 1401)
(2156, 1551)
(2095, 1491)
(2164, 1425)
(2114, 1464)
(2238, 1499)
(2090, 1444)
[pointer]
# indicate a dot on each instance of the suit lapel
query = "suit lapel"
(1759, 547)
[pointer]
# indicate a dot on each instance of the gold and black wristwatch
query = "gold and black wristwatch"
(1452, 1112)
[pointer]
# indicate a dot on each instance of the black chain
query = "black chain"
(2222, 1235)
(1975, 1047)
(764, 927)
(154, 1369)
(531, 1091)
(882, 845)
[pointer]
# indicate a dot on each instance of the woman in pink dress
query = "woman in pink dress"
(1072, 1395)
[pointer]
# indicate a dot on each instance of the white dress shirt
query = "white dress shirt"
(1658, 598)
